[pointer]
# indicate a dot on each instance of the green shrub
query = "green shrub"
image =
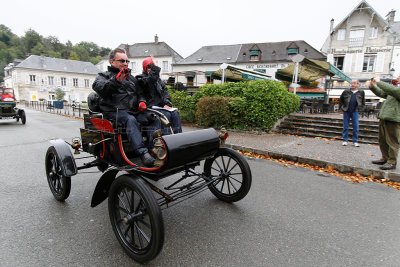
(242, 105)
(213, 112)
(185, 104)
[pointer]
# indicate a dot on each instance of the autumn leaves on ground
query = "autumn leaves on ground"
(355, 178)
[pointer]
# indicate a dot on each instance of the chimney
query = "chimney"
(390, 17)
(156, 39)
(127, 49)
(331, 27)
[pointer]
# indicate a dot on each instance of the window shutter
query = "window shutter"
(27, 81)
(330, 58)
(46, 80)
(348, 59)
(359, 62)
(81, 83)
(380, 60)
(38, 81)
(58, 81)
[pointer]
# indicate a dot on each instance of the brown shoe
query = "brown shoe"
(379, 162)
(388, 166)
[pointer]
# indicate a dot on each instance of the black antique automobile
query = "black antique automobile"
(8, 106)
(134, 199)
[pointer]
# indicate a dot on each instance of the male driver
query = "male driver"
(156, 93)
(389, 123)
(351, 101)
(120, 95)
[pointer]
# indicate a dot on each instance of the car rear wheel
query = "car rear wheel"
(60, 185)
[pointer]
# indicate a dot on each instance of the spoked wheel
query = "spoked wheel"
(59, 184)
(232, 172)
(136, 218)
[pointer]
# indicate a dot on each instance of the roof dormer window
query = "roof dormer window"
(254, 55)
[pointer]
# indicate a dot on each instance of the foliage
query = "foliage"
(185, 104)
(59, 94)
(32, 43)
(213, 111)
(250, 105)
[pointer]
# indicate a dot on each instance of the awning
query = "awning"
(310, 96)
(309, 71)
(233, 73)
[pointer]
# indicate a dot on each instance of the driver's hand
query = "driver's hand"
(123, 74)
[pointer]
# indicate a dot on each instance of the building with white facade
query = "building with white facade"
(364, 45)
(38, 77)
(163, 54)
(267, 58)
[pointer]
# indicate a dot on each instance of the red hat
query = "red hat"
(147, 61)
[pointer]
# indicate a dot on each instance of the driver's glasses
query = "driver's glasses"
(122, 60)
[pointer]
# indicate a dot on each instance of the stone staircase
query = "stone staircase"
(327, 127)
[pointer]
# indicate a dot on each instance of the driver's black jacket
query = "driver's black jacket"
(114, 94)
(154, 90)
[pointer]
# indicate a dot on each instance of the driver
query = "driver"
(118, 89)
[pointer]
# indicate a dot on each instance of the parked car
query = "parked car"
(8, 106)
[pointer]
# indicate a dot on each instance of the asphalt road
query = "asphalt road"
(291, 216)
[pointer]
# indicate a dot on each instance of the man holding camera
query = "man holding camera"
(121, 99)
(389, 122)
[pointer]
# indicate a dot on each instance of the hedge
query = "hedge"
(242, 105)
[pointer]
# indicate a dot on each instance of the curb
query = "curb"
(342, 168)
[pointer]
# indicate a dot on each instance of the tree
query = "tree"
(59, 94)
(31, 38)
(73, 56)
(39, 49)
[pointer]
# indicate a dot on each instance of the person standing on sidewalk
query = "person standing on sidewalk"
(389, 123)
(351, 101)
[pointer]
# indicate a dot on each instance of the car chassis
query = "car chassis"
(134, 210)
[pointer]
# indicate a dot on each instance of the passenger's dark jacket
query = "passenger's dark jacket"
(344, 100)
(114, 94)
(154, 90)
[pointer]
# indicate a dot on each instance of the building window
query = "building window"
(32, 79)
(51, 80)
(254, 55)
(189, 80)
(63, 81)
(373, 32)
(165, 65)
(338, 62)
(369, 63)
(341, 35)
(75, 82)
(356, 38)
(86, 83)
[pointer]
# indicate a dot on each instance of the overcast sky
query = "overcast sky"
(183, 24)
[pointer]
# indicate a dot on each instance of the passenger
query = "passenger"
(119, 91)
(156, 93)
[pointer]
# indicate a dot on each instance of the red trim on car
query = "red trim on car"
(102, 125)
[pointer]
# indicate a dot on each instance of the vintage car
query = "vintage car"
(8, 106)
(134, 199)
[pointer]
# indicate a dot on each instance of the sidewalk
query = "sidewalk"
(313, 151)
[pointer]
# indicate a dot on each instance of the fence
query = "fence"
(74, 110)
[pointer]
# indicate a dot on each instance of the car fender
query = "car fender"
(65, 155)
(103, 187)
